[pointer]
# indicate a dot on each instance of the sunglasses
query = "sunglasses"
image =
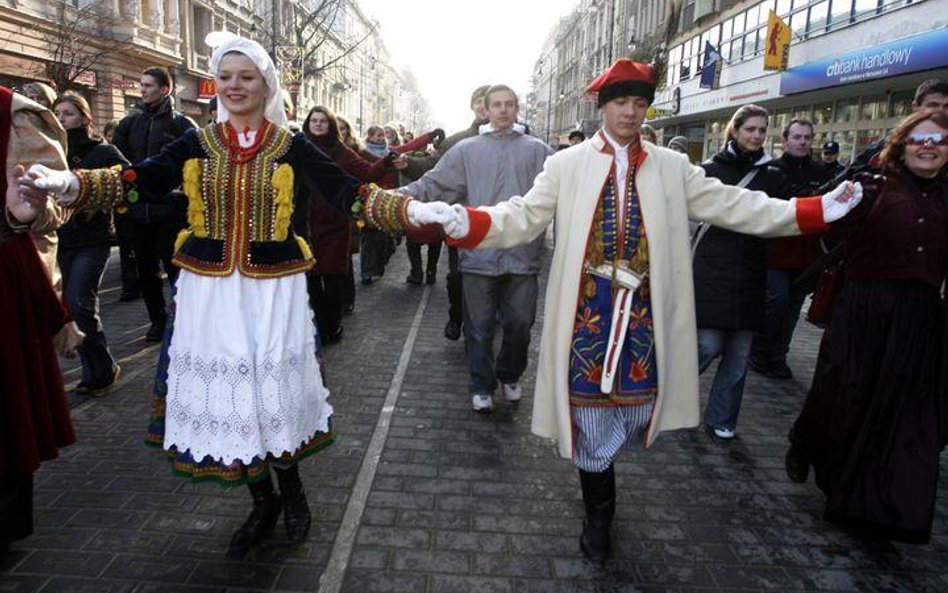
(936, 138)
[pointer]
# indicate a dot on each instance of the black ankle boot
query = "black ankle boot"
(599, 496)
(296, 515)
(266, 510)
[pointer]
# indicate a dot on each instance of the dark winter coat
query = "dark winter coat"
(89, 228)
(143, 134)
(803, 177)
(729, 268)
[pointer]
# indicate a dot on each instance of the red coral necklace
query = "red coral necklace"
(242, 154)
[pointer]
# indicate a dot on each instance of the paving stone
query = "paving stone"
(363, 581)
(146, 568)
(79, 585)
(234, 574)
(394, 536)
(469, 584)
(425, 561)
(55, 562)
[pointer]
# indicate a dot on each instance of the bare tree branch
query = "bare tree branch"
(80, 40)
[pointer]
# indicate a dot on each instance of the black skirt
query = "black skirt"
(870, 423)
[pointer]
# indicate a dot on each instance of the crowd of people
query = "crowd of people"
(250, 221)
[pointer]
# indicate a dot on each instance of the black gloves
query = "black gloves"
(437, 135)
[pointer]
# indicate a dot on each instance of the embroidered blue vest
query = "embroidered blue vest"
(637, 379)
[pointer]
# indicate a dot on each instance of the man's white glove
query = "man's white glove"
(422, 213)
(460, 224)
(838, 203)
(64, 184)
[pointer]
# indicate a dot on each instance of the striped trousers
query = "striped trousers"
(599, 433)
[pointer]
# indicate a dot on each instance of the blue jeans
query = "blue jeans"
(727, 390)
(82, 270)
(511, 299)
(781, 313)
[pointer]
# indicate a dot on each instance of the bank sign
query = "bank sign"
(912, 54)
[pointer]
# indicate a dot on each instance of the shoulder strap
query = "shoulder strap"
(703, 227)
(745, 180)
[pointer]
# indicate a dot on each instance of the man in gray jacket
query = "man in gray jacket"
(499, 162)
(414, 168)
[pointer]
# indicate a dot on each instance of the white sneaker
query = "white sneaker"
(724, 433)
(513, 392)
(482, 402)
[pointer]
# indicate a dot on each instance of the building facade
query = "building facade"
(580, 46)
(854, 66)
(105, 44)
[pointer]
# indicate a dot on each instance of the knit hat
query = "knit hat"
(679, 142)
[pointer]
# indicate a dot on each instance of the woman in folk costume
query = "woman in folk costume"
(245, 391)
(34, 325)
(618, 354)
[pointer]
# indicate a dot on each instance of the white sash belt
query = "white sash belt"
(627, 282)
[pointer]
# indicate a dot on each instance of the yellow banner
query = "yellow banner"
(777, 54)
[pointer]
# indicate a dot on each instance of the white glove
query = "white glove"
(838, 203)
(460, 224)
(420, 213)
(64, 184)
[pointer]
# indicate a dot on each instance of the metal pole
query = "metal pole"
(612, 26)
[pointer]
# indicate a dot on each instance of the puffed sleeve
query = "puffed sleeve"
(101, 189)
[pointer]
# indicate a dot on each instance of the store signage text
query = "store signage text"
(912, 54)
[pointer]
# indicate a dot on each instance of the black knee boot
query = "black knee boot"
(296, 516)
(266, 510)
(599, 496)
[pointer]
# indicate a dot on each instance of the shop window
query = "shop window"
(840, 13)
(749, 49)
(847, 110)
(819, 14)
(902, 104)
(865, 8)
(779, 120)
(866, 137)
(847, 141)
(875, 108)
(822, 114)
(802, 112)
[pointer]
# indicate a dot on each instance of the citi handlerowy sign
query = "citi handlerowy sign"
(912, 54)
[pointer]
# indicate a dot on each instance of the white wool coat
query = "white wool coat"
(671, 191)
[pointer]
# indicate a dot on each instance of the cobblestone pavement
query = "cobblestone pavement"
(421, 495)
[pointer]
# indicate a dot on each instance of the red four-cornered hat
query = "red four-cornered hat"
(624, 78)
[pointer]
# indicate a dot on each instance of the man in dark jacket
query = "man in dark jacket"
(787, 257)
(155, 223)
(414, 168)
(830, 156)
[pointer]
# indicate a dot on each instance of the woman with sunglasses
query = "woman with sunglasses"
(869, 426)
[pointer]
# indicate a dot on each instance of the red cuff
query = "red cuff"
(810, 215)
(480, 224)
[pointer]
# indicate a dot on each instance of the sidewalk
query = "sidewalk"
(421, 495)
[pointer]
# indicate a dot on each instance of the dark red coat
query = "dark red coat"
(905, 237)
(330, 231)
(34, 412)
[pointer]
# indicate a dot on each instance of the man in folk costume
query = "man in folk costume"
(618, 354)
(34, 325)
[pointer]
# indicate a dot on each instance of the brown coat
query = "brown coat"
(37, 137)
